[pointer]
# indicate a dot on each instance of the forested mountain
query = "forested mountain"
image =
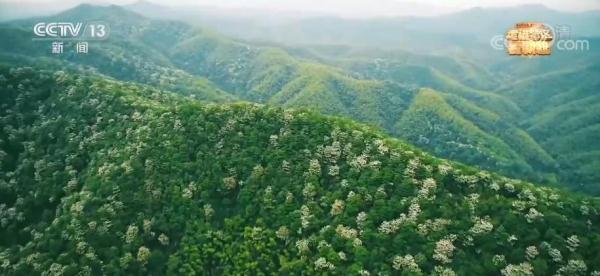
(105, 177)
(543, 109)
(564, 116)
(382, 91)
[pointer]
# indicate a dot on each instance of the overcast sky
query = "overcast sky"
(351, 8)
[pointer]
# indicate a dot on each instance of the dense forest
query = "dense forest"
(105, 177)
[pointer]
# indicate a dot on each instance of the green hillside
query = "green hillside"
(431, 122)
(564, 117)
(105, 177)
(393, 64)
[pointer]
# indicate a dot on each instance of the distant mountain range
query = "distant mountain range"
(444, 33)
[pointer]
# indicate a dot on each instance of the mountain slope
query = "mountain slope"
(563, 116)
(431, 122)
(378, 62)
(104, 177)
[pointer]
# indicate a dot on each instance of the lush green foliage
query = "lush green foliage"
(104, 177)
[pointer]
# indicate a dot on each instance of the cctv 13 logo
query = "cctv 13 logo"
(71, 30)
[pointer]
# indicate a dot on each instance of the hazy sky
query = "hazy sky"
(350, 8)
